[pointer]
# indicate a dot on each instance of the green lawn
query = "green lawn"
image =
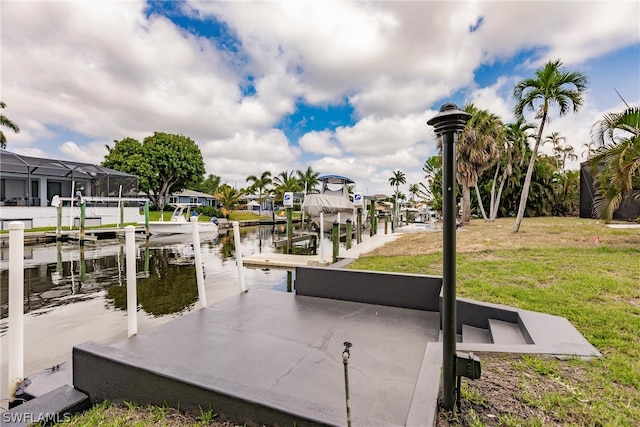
(596, 286)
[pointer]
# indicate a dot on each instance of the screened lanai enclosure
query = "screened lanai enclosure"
(33, 181)
(28, 186)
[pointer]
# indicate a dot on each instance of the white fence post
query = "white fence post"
(16, 306)
(132, 300)
(236, 241)
(202, 296)
(321, 236)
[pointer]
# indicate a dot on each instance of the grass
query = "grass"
(555, 266)
(109, 414)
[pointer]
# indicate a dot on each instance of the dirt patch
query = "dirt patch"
(512, 393)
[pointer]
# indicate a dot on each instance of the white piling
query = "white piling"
(236, 241)
(132, 300)
(16, 306)
(321, 236)
(202, 296)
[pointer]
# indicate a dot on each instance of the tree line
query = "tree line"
(491, 156)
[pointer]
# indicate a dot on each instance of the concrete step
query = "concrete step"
(505, 332)
(472, 334)
(53, 407)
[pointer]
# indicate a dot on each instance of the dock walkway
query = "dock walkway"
(368, 244)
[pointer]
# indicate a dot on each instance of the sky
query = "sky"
(345, 87)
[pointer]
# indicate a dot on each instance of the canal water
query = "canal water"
(74, 295)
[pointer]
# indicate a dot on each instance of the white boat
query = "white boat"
(178, 224)
(332, 200)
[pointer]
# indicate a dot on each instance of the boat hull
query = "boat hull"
(170, 227)
(330, 206)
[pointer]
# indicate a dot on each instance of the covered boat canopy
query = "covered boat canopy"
(336, 179)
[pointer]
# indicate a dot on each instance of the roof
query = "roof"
(336, 179)
(193, 193)
(27, 165)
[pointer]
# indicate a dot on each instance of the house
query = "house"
(28, 184)
(193, 197)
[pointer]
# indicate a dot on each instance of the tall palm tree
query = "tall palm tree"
(260, 183)
(552, 85)
(4, 121)
(476, 151)
(616, 163)
(398, 178)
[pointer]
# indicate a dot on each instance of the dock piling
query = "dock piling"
(335, 235)
(132, 300)
(16, 307)
(202, 296)
(236, 241)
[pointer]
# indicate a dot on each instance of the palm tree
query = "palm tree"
(228, 197)
(395, 181)
(414, 190)
(432, 169)
(4, 121)
(476, 151)
(513, 151)
(616, 163)
(555, 140)
(552, 85)
(260, 184)
(567, 152)
(308, 179)
(285, 185)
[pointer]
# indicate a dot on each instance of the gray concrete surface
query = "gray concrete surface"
(284, 351)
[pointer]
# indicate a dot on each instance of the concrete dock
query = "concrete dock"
(368, 244)
(276, 356)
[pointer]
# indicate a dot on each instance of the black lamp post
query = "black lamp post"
(447, 124)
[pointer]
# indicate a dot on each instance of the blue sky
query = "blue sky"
(344, 87)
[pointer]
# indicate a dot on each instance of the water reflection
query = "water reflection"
(62, 273)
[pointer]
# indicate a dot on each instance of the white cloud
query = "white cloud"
(320, 143)
(112, 71)
(495, 98)
(88, 153)
(375, 136)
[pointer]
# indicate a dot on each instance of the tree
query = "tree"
(4, 121)
(414, 190)
(285, 181)
(567, 152)
(209, 185)
(514, 151)
(229, 198)
(308, 179)
(164, 163)
(616, 163)
(476, 151)
(552, 85)
(555, 139)
(395, 181)
(259, 183)
(432, 169)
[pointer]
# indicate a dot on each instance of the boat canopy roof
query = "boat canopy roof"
(336, 179)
